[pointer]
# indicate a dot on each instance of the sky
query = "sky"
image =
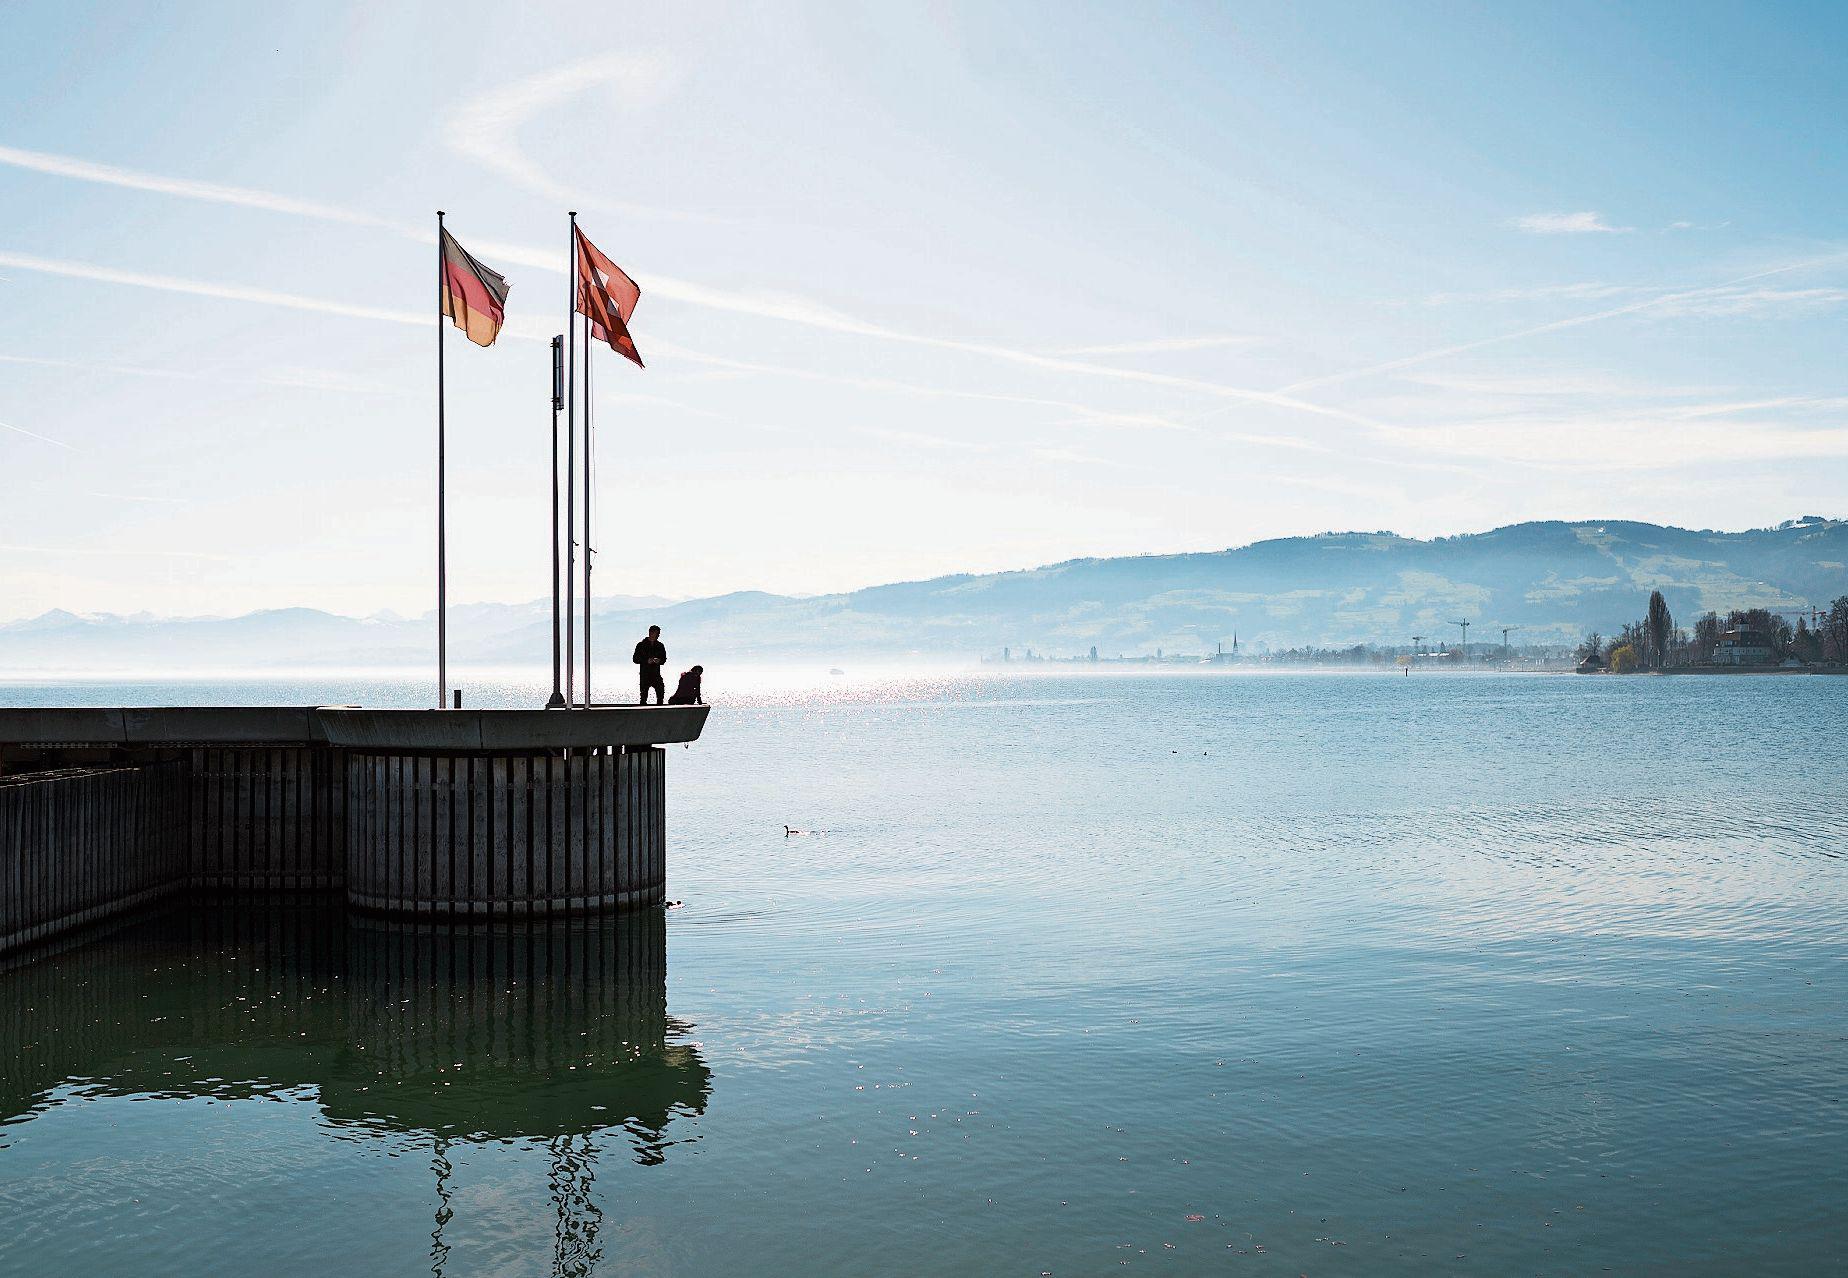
(925, 288)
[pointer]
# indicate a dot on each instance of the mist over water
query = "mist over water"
(1287, 973)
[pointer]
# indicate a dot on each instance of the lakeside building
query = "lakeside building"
(1742, 647)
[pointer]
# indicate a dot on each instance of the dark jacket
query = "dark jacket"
(650, 648)
(686, 692)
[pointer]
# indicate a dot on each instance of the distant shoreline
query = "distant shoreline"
(1727, 671)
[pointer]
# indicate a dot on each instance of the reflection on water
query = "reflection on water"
(553, 1035)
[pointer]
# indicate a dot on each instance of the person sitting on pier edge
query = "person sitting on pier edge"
(686, 692)
(651, 655)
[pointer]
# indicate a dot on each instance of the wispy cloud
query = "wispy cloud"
(607, 398)
(164, 501)
(1069, 456)
(1731, 296)
(789, 309)
(321, 379)
(103, 366)
(1720, 301)
(1516, 398)
(115, 551)
(1083, 414)
(1587, 223)
(1759, 301)
(900, 436)
(528, 329)
(1160, 345)
(1681, 297)
(43, 439)
(1055, 364)
(1570, 425)
(213, 192)
(486, 128)
(1538, 383)
(202, 288)
(1584, 291)
(1833, 404)
(1601, 440)
(292, 378)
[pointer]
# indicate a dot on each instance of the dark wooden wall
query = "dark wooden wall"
(508, 835)
(434, 835)
(80, 845)
(268, 819)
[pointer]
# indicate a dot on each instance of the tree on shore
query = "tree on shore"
(1623, 659)
(1592, 649)
(1659, 644)
(1631, 637)
(1658, 632)
(1706, 638)
(1834, 630)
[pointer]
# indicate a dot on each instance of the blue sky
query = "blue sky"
(925, 288)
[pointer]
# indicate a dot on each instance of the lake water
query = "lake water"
(1278, 974)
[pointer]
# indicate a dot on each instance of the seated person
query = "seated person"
(686, 692)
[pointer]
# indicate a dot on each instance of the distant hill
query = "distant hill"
(65, 641)
(1553, 580)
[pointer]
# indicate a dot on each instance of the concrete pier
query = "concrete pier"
(426, 813)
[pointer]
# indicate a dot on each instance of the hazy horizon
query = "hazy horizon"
(624, 602)
(1548, 583)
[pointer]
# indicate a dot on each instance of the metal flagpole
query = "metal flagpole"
(571, 461)
(442, 531)
(558, 402)
(589, 550)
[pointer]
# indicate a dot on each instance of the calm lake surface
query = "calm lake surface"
(1277, 974)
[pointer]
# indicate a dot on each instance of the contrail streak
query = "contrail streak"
(44, 439)
(792, 310)
(1666, 299)
(201, 288)
(114, 552)
(211, 192)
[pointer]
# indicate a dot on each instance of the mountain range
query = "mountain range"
(1550, 580)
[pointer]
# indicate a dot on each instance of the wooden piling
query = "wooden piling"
(82, 844)
(488, 852)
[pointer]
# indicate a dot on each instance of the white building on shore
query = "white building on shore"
(1742, 647)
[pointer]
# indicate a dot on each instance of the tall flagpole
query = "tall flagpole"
(571, 283)
(558, 403)
(588, 548)
(442, 531)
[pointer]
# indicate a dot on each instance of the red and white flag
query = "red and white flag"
(607, 297)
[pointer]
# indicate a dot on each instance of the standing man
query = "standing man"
(651, 655)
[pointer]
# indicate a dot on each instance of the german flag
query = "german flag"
(471, 294)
